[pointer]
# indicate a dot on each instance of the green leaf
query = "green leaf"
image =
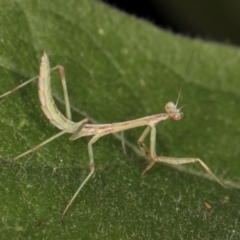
(118, 68)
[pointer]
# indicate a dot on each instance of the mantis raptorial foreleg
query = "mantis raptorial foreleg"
(174, 161)
(82, 128)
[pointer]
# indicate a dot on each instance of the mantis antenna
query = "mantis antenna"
(185, 73)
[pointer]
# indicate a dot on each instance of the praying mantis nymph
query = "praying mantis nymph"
(82, 128)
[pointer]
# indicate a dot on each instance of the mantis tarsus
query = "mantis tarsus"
(82, 128)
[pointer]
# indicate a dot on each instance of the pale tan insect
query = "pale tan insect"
(82, 128)
(208, 206)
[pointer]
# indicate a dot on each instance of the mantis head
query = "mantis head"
(173, 111)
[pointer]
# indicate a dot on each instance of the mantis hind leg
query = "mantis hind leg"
(65, 91)
(81, 125)
(64, 85)
(24, 84)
